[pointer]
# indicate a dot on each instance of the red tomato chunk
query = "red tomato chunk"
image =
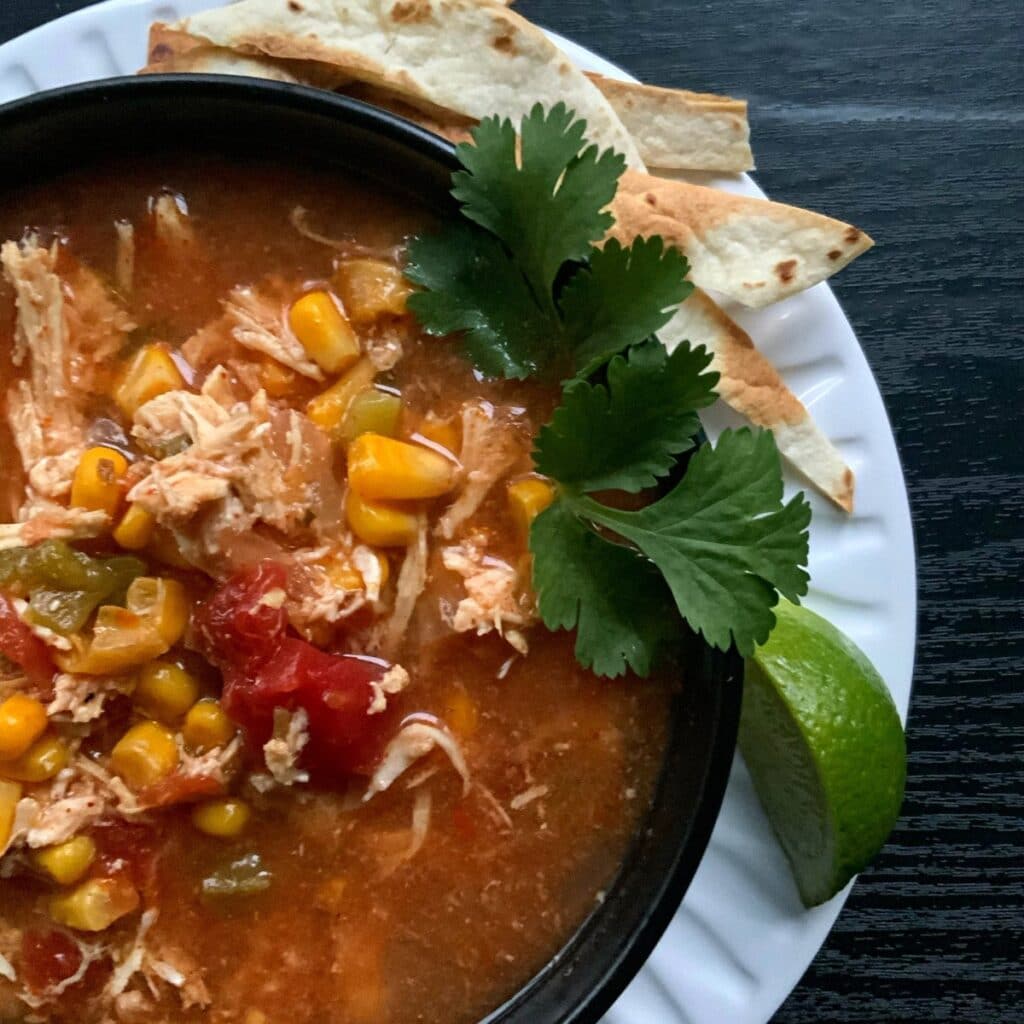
(243, 630)
(23, 647)
(48, 958)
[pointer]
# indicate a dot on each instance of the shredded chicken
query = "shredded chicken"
(413, 741)
(412, 579)
(97, 326)
(517, 803)
(281, 753)
(53, 522)
(171, 222)
(394, 680)
(489, 451)
(71, 802)
(496, 598)
(124, 260)
(384, 349)
(258, 323)
(82, 698)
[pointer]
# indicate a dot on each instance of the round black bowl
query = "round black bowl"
(49, 133)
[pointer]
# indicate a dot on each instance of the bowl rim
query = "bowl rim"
(723, 670)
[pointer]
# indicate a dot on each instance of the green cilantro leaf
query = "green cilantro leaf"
(722, 538)
(615, 598)
(506, 335)
(624, 296)
(626, 434)
(549, 205)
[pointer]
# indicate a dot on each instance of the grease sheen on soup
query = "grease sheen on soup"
(438, 898)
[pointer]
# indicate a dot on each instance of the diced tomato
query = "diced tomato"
(125, 848)
(23, 647)
(241, 623)
(265, 668)
(180, 789)
(48, 958)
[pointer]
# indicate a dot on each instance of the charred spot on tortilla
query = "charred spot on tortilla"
(834, 254)
(852, 235)
(785, 270)
(294, 5)
(409, 12)
(505, 44)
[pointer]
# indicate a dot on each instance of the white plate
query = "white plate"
(742, 940)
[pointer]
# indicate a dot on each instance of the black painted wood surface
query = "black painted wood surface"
(906, 119)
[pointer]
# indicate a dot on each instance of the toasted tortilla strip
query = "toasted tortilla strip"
(418, 50)
(753, 250)
(680, 130)
(750, 384)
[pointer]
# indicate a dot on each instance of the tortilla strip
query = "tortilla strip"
(753, 250)
(750, 384)
(680, 130)
(473, 57)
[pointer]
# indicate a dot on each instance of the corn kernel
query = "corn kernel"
(379, 523)
(370, 289)
(10, 794)
(383, 468)
(135, 530)
(145, 754)
(66, 862)
(277, 380)
(444, 432)
(527, 499)
(165, 691)
(96, 904)
(163, 603)
(372, 412)
(47, 756)
(223, 818)
(22, 722)
(328, 409)
(461, 714)
(152, 372)
(324, 332)
(97, 483)
(206, 726)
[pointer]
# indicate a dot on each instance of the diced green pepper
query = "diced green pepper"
(242, 877)
(372, 412)
(63, 611)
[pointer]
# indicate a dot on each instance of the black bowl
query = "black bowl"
(46, 134)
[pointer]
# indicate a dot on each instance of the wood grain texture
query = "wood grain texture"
(905, 118)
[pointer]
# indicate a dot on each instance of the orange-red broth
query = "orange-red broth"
(348, 933)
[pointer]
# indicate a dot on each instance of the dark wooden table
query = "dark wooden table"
(906, 119)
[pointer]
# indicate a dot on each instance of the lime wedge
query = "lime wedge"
(824, 745)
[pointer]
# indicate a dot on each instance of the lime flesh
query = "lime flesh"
(824, 745)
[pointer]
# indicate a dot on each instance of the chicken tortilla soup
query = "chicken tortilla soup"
(280, 739)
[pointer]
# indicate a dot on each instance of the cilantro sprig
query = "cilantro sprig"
(524, 283)
(523, 280)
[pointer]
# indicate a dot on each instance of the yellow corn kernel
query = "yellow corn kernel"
(97, 483)
(370, 289)
(10, 794)
(96, 904)
(135, 530)
(383, 468)
(165, 691)
(345, 576)
(324, 332)
(445, 432)
(328, 409)
(66, 862)
(527, 499)
(224, 818)
(379, 523)
(22, 722)
(278, 381)
(150, 373)
(206, 726)
(47, 756)
(372, 412)
(124, 638)
(145, 754)
(460, 714)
